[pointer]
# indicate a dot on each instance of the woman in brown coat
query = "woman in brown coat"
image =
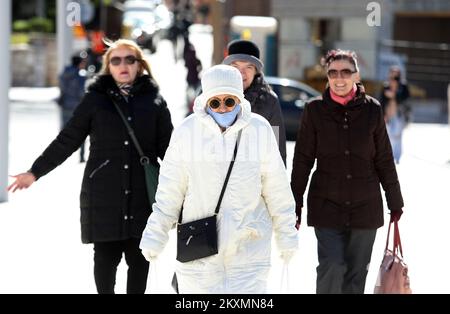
(345, 131)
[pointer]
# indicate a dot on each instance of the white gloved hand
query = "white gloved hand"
(287, 255)
(149, 255)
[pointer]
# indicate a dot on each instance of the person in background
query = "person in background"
(204, 11)
(194, 67)
(182, 20)
(114, 203)
(344, 131)
(257, 200)
(72, 83)
(244, 55)
(397, 112)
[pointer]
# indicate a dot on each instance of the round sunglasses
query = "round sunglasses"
(129, 60)
(345, 73)
(214, 103)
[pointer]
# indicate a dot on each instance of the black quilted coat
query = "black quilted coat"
(113, 200)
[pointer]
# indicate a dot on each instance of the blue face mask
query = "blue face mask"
(224, 119)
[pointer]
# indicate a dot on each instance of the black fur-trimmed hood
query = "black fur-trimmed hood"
(143, 84)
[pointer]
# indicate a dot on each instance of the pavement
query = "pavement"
(40, 232)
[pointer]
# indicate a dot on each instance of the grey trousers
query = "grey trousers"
(344, 257)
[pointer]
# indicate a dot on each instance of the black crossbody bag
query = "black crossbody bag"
(198, 239)
(151, 171)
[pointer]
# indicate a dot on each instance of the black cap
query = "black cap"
(243, 47)
(243, 50)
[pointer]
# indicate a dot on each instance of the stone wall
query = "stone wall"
(35, 64)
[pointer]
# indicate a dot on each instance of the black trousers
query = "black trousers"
(107, 256)
(344, 257)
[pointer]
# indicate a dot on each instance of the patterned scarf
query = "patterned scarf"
(125, 89)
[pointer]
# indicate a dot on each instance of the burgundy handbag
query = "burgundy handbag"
(393, 274)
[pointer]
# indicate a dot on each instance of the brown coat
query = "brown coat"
(353, 155)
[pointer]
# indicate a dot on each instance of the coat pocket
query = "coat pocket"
(93, 172)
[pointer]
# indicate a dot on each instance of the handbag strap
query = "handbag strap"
(228, 173)
(397, 245)
(230, 167)
(397, 240)
(387, 238)
(144, 159)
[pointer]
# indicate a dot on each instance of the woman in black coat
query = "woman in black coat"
(346, 133)
(113, 201)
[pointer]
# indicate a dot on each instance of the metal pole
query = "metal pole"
(5, 26)
(217, 15)
(40, 8)
(103, 16)
(64, 34)
(448, 103)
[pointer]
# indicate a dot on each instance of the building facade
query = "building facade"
(409, 33)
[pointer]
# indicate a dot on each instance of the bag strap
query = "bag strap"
(397, 245)
(228, 173)
(226, 179)
(387, 238)
(397, 240)
(144, 159)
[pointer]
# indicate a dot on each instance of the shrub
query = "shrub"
(21, 26)
(19, 38)
(41, 25)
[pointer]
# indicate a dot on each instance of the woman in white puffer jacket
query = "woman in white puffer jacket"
(257, 199)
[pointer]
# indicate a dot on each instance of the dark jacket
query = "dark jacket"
(71, 85)
(265, 103)
(193, 66)
(113, 200)
(353, 155)
(402, 94)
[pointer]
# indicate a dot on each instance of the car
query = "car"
(146, 22)
(293, 95)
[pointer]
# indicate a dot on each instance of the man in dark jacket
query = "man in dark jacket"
(397, 113)
(71, 84)
(194, 67)
(244, 55)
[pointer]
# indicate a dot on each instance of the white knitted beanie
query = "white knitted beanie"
(218, 80)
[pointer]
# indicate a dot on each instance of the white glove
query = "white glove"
(149, 255)
(287, 255)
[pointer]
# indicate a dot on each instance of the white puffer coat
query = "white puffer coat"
(257, 200)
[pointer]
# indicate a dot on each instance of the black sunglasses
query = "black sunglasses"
(214, 103)
(129, 60)
(345, 73)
